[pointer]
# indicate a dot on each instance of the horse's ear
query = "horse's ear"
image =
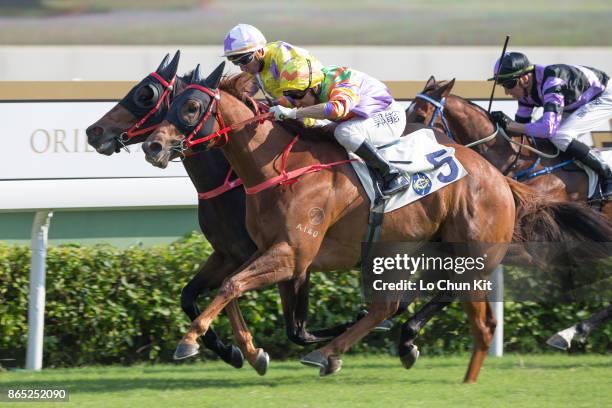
(430, 82)
(167, 70)
(214, 79)
(446, 88)
(196, 75)
(163, 63)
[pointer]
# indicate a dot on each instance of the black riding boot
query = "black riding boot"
(394, 179)
(583, 154)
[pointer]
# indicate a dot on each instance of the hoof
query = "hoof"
(410, 356)
(185, 350)
(384, 326)
(327, 365)
(563, 339)
(233, 356)
(262, 361)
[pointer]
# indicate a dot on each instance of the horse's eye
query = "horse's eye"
(145, 96)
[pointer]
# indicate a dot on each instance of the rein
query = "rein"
(284, 178)
(291, 177)
(523, 174)
(189, 141)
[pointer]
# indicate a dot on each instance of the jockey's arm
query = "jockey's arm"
(515, 127)
(314, 112)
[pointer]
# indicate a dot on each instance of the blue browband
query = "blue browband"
(439, 111)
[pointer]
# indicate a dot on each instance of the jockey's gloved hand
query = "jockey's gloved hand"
(282, 113)
(501, 119)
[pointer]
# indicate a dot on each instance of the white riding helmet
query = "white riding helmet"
(242, 39)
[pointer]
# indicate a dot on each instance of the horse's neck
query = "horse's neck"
(206, 169)
(469, 124)
(253, 149)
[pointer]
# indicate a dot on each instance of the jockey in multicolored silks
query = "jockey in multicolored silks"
(362, 109)
(246, 47)
(576, 100)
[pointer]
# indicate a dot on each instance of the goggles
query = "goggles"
(241, 59)
(509, 84)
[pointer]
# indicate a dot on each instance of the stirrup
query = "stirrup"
(396, 184)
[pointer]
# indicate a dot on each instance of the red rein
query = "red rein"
(284, 178)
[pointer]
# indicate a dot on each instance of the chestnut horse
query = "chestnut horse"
(469, 124)
(221, 216)
(477, 208)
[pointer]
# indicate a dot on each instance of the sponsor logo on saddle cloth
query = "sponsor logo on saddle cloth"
(429, 165)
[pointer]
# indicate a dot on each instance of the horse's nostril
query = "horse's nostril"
(94, 131)
(154, 147)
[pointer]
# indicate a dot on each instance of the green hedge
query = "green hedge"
(110, 305)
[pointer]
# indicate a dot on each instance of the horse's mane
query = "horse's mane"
(238, 86)
(437, 85)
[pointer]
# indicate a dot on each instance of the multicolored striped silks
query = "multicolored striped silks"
(349, 93)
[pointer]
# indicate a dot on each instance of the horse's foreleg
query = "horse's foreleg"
(327, 357)
(210, 276)
(256, 357)
(275, 265)
(482, 326)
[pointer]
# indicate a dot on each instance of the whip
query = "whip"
(497, 72)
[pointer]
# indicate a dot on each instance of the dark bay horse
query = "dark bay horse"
(477, 208)
(469, 123)
(149, 100)
(221, 218)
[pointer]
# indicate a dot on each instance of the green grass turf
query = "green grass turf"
(554, 380)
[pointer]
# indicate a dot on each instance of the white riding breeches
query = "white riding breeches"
(379, 129)
(583, 120)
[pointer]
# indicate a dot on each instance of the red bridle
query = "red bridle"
(135, 130)
(223, 131)
(284, 178)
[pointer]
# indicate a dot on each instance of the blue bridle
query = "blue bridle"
(439, 111)
(522, 175)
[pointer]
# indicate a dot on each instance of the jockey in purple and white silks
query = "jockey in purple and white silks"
(576, 100)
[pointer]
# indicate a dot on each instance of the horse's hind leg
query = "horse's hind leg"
(327, 357)
(482, 326)
(563, 339)
(408, 351)
(210, 276)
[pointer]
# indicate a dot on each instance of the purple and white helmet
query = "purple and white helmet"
(242, 39)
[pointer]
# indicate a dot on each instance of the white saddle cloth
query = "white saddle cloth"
(432, 166)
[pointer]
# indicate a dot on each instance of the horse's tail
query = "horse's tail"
(540, 219)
